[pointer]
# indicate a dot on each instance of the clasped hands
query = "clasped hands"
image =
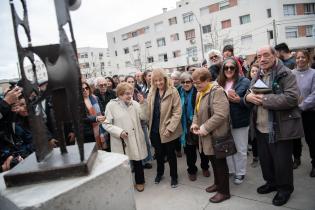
(200, 131)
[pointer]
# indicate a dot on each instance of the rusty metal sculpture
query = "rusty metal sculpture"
(64, 89)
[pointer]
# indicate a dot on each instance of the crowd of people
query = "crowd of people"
(268, 105)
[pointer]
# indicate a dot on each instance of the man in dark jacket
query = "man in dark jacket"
(103, 94)
(277, 121)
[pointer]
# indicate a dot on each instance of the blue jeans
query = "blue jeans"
(147, 141)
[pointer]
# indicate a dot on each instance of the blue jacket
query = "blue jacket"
(239, 113)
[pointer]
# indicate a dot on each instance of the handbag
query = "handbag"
(223, 146)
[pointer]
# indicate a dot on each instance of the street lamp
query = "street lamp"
(201, 39)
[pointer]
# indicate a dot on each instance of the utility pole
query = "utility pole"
(274, 31)
(201, 39)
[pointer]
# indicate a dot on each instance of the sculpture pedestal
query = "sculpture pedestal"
(109, 186)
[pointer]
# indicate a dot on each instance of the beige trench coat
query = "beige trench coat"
(121, 118)
(218, 123)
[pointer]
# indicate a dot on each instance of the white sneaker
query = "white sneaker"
(238, 179)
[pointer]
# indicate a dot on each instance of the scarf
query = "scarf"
(201, 94)
(186, 99)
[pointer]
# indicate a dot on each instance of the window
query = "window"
(172, 21)
(188, 17)
(137, 62)
(176, 53)
(87, 65)
(309, 31)
(208, 47)
(269, 13)
(100, 56)
(109, 63)
(150, 59)
(148, 44)
(224, 4)
(135, 48)
(146, 29)
(84, 55)
(128, 64)
(163, 57)
(291, 32)
(192, 51)
(158, 26)
(117, 65)
(270, 34)
(244, 19)
(116, 53)
(134, 33)
(227, 42)
(246, 40)
(174, 37)
(161, 42)
(126, 50)
(190, 34)
(309, 9)
(206, 29)
(114, 39)
(226, 23)
(124, 36)
(289, 9)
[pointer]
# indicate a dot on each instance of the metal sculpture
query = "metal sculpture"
(64, 90)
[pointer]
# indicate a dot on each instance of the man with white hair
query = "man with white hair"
(103, 93)
(215, 59)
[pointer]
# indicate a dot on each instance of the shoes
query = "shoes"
(312, 174)
(296, 163)
(265, 189)
(206, 173)
(255, 162)
(139, 187)
(231, 174)
(192, 177)
(147, 166)
(174, 183)
(218, 198)
(179, 154)
(212, 188)
(157, 179)
(238, 179)
(281, 198)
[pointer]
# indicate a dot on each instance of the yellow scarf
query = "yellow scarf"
(201, 94)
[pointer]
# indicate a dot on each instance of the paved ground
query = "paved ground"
(192, 196)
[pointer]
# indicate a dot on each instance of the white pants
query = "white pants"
(237, 162)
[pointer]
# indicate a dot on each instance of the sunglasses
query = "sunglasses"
(213, 57)
(186, 82)
(226, 68)
(85, 88)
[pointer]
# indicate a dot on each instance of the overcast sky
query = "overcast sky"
(91, 22)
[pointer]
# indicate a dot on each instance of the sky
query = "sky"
(90, 22)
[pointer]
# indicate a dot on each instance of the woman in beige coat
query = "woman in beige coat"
(123, 123)
(164, 115)
(211, 98)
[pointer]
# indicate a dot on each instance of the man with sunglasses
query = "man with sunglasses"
(215, 61)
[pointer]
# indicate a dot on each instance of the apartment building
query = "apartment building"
(184, 35)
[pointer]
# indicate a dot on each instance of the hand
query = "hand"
(71, 137)
(194, 128)
(6, 164)
(100, 118)
(235, 99)
(53, 143)
(140, 98)
(124, 135)
(202, 131)
(13, 95)
(167, 133)
(254, 98)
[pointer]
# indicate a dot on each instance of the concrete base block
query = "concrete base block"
(109, 186)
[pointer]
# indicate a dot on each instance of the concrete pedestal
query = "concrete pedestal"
(109, 186)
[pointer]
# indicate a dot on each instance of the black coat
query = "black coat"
(104, 99)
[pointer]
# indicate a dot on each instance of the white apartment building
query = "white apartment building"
(94, 62)
(184, 35)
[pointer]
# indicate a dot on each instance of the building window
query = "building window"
(108, 63)
(192, 52)
(117, 65)
(172, 21)
(269, 13)
(128, 64)
(161, 42)
(148, 44)
(176, 53)
(150, 59)
(244, 19)
(246, 40)
(226, 23)
(114, 40)
(137, 62)
(224, 4)
(291, 32)
(163, 57)
(158, 26)
(135, 48)
(134, 33)
(208, 47)
(87, 65)
(270, 34)
(190, 34)
(309, 9)
(100, 56)
(227, 42)
(124, 36)
(206, 29)
(146, 29)
(174, 37)
(116, 53)
(126, 50)
(188, 17)
(309, 31)
(289, 9)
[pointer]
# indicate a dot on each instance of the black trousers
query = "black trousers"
(276, 162)
(308, 118)
(178, 145)
(162, 150)
(139, 174)
(297, 148)
(221, 174)
(191, 159)
(254, 147)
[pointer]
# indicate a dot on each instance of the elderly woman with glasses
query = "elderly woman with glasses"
(189, 140)
(236, 87)
(215, 59)
(94, 117)
(123, 117)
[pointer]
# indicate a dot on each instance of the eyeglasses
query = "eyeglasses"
(186, 82)
(102, 85)
(213, 57)
(226, 68)
(85, 88)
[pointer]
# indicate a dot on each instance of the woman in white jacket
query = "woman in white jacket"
(123, 123)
